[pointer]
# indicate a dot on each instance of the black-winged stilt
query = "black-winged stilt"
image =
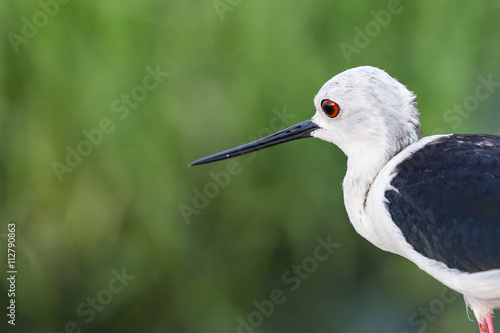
(434, 201)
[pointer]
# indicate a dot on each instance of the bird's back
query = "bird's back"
(445, 199)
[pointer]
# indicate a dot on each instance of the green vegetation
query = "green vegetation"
(104, 103)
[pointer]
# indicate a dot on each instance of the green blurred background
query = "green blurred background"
(132, 207)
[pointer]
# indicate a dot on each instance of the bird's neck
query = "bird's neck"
(363, 166)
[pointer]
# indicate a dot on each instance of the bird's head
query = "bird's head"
(365, 107)
(360, 109)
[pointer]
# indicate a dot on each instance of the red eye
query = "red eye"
(330, 108)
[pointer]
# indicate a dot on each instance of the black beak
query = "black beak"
(299, 131)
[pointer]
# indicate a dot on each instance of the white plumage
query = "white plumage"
(378, 119)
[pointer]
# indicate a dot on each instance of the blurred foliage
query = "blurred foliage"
(232, 66)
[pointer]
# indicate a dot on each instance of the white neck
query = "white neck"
(362, 169)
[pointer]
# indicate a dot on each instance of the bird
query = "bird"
(433, 200)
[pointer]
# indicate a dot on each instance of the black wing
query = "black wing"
(448, 205)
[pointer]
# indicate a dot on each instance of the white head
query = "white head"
(364, 111)
(375, 112)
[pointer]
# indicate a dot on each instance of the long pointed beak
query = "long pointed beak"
(299, 131)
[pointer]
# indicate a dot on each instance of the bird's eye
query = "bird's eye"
(330, 108)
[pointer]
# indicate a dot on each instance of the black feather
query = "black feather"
(448, 205)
